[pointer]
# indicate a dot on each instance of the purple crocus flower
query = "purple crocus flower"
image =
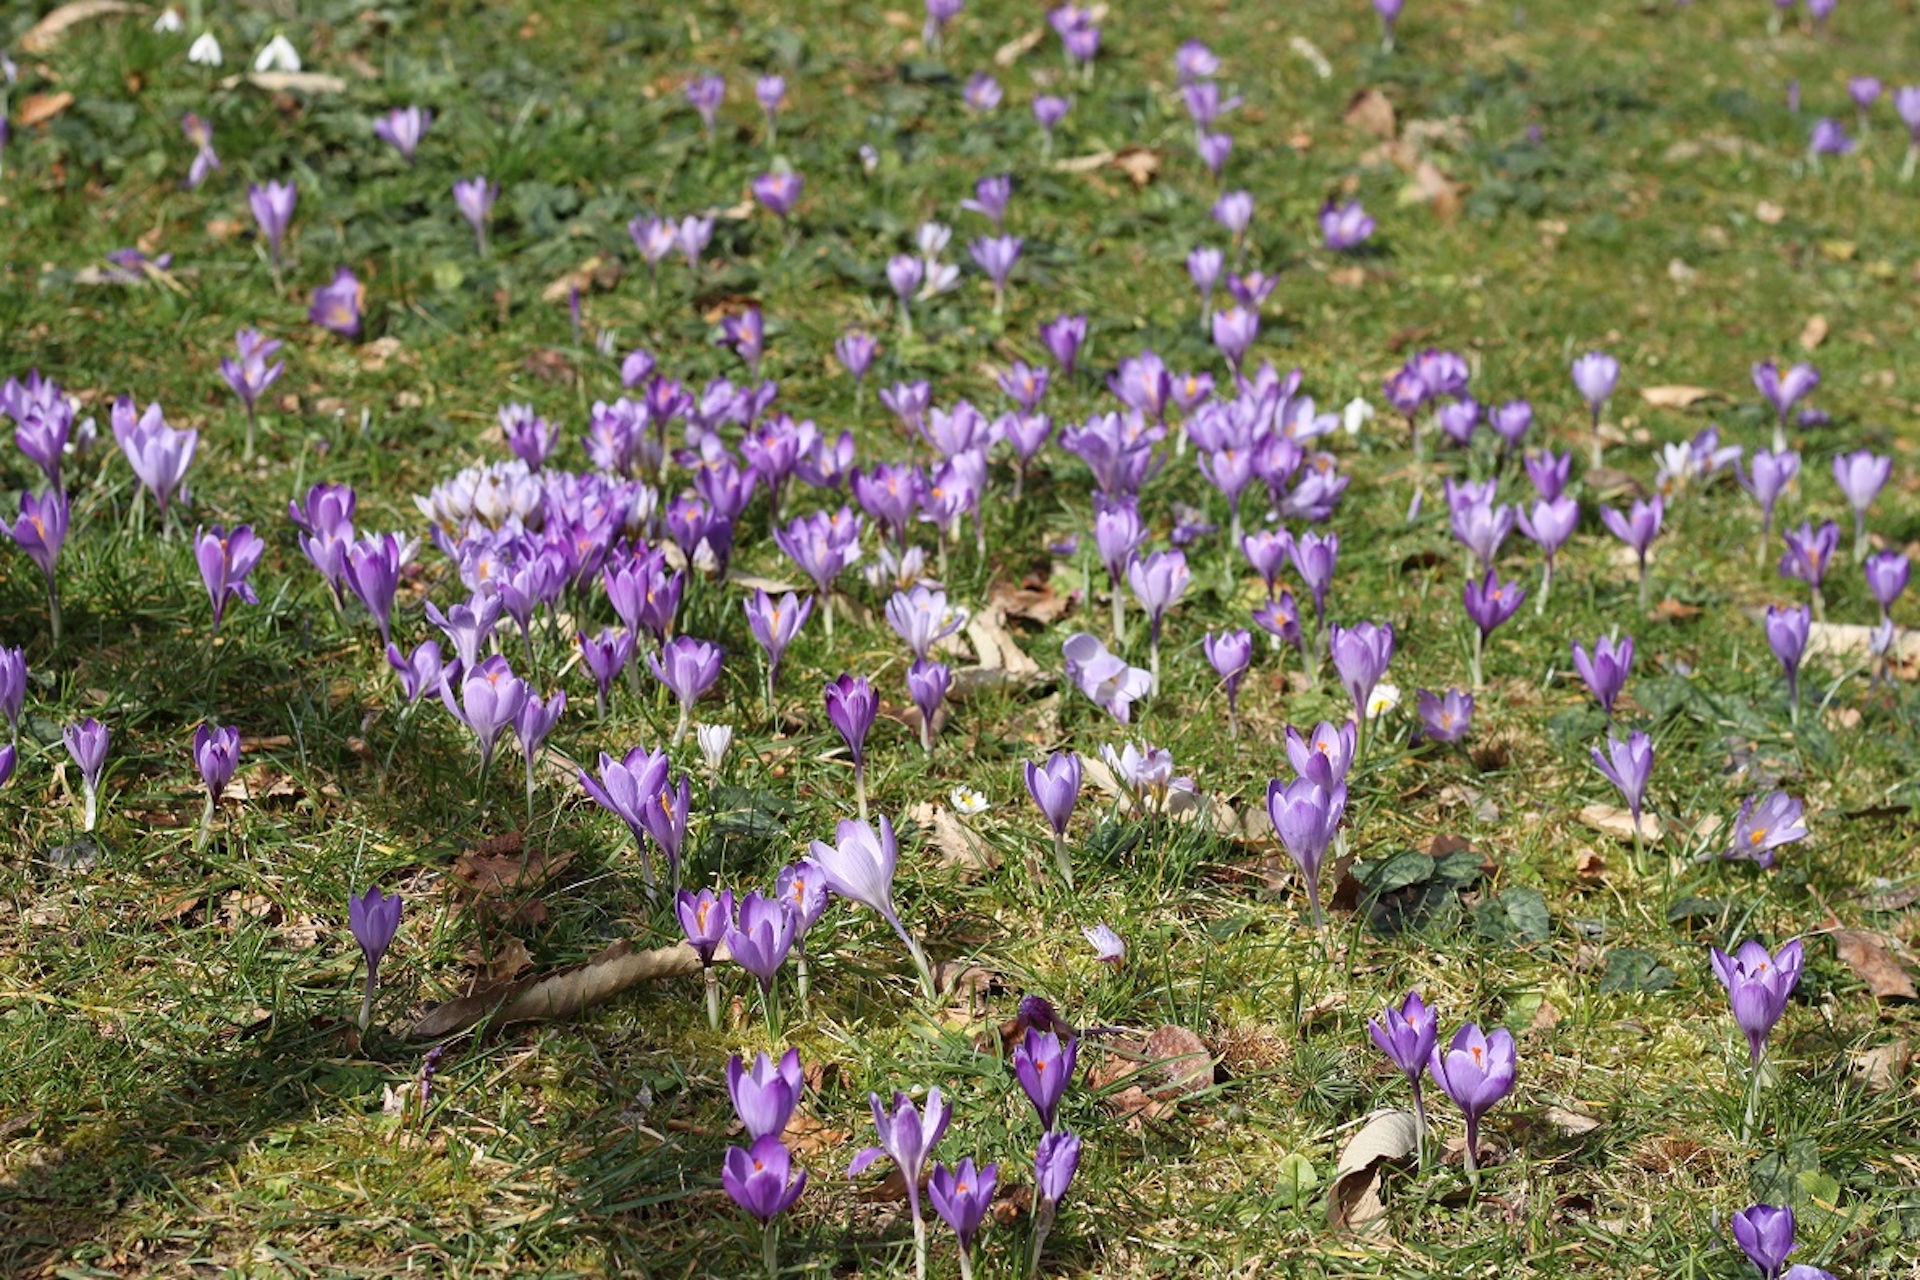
(402, 129)
(1345, 226)
(371, 571)
(1628, 765)
(1489, 603)
(86, 741)
(1476, 1070)
(1808, 556)
(1389, 12)
(774, 624)
(1510, 421)
(489, 700)
(336, 306)
(1548, 473)
(1766, 823)
(1861, 475)
(41, 532)
(704, 95)
(1360, 655)
(859, 866)
(1784, 388)
(605, 656)
(760, 940)
(532, 726)
(626, 788)
(704, 917)
(962, 1196)
(1306, 814)
(907, 1137)
(1314, 557)
(1158, 582)
(990, 198)
(1445, 718)
(855, 351)
(1637, 527)
(1234, 331)
(770, 91)
(1477, 523)
(205, 159)
(851, 707)
(779, 192)
(225, 560)
(1765, 1233)
(1606, 669)
(374, 919)
(1063, 337)
(1550, 523)
(1214, 149)
(1230, 652)
(475, 196)
(689, 668)
(1595, 375)
(1055, 1160)
(1887, 574)
(1787, 631)
(920, 617)
(1044, 1067)
(982, 92)
(763, 1181)
(1829, 138)
(1268, 550)
(927, 685)
(1048, 111)
(13, 688)
(1055, 788)
(1108, 680)
(1407, 1035)
(216, 753)
(996, 255)
(1205, 265)
(1758, 984)
(272, 207)
(1768, 478)
(1459, 419)
(251, 375)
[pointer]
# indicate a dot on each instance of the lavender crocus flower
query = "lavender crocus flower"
(859, 866)
(770, 91)
(489, 700)
(779, 192)
(1787, 630)
(41, 532)
(1808, 556)
(1214, 149)
(1063, 337)
(475, 196)
(1490, 602)
(1628, 765)
(1766, 823)
(1306, 815)
(205, 159)
(1055, 1160)
(225, 560)
(216, 753)
(402, 129)
(272, 207)
(1044, 1067)
(1389, 13)
(704, 95)
(851, 707)
(13, 689)
(1055, 788)
(1637, 527)
(1407, 1035)
(1829, 138)
(921, 617)
(532, 726)
(1230, 652)
(1445, 718)
(1784, 388)
(1768, 478)
(605, 657)
(1204, 266)
(1360, 655)
(1887, 573)
(907, 1137)
(1595, 375)
(1758, 984)
(1549, 524)
(927, 685)
(760, 941)
(774, 624)
(1510, 421)
(1158, 582)
(1548, 473)
(251, 375)
(1861, 475)
(982, 92)
(336, 306)
(1048, 111)
(1606, 669)
(1765, 1233)
(704, 918)
(762, 1180)
(962, 1196)
(1346, 226)
(1906, 105)
(1234, 331)
(86, 742)
(940, 14)
(374, 919)
(1476, 1070)
(689, 668)
(1108, 680)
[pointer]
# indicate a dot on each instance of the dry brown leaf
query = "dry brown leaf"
(1040, 605)
(510, 960)
(809, 1137)
(1883, 1067)
(1434, 188)
(958, 847)
(1018, 47)
(1850, 640)
(1353, 1201)
(1867, 955)
(1371, 113)
(46, 33)
(1546, 1017)
(998, 650)
(288, 82)
(502, 873)
(1084, 164)
(560, 993)
(1769, 213)
(1671, 610)
(1140, 164)
(1814, 332)
(1678, 396)
(595, 273)
(1180, 1058)
(1618, 823)
(1588, 864)
(1350, 277)
(38, 108)
(752, 582)
(1570, 1124)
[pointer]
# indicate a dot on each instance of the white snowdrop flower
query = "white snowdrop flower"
(279, 55)
(1356, 415)
(205, 51)
(169, 23)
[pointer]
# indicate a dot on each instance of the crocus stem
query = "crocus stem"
(1819, 604)
(966, 1264)
(1753, 1101)
(770, 1005)
(206, 827)
(1645, 585)
(91, 812)
(1473, 1145)
(646, 871)
(919, 959)
(366, 997)
(1479, 647)
(1042, 1224)
(802, 976)
(1859, 537)
(860, 789)
(1153, 662)
(1419, 1123)
(1061, 860)
(53, 610)
(1313, 901)
(770, 1251)
(1546, 588)
(1793, 697)
(680, 729)
(1119, 615)
(919, 1233)
(826, 599)
(1598, 449)
(1913, 158)
(713, 999)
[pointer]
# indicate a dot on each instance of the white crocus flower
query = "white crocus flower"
(279, 55)
(1356, 415)
(714, 740)
(205, 51)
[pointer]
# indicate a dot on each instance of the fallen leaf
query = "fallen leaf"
(510, 960)
(1434, 188)
(1588, 864)
(1180, 1058)
(1347, 277)
(1678, 396)
(958, 847)
(1850, 640)
(998, 650)
(1882, 1067)
(46, 33)
(595, 273)
(1310, 51)
(1018, 47)
(1671, 610)
(1140, 164)
(1570, 1124)
(499, 872)
(1867, 955)
(38, 108)
(1618, 823)
(1040, 605)
(1353, 1201)
(807, 1136)
(1084, 164)
(1886, 896)
(1546, 1017)
(549, 364)
(1814, 332)
(559, 993)
(1769, 212)
(1371, 113)
(288, 82)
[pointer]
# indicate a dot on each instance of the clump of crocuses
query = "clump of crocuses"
(761, 1177)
